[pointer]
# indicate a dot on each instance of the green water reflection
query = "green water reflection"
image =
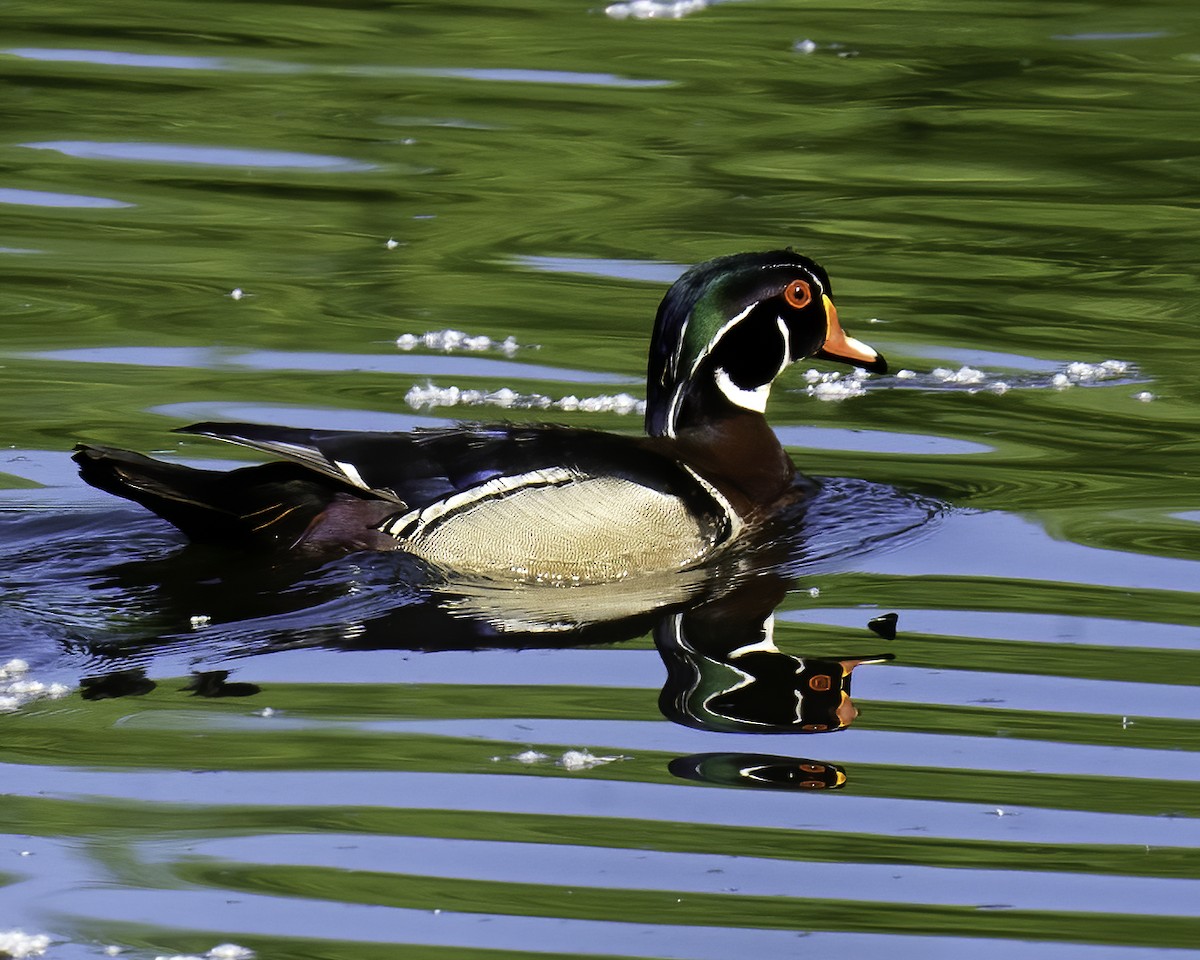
(1016, 178)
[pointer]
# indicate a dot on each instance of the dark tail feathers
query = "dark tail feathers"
(272, 503)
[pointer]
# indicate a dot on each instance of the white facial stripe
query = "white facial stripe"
(673, 362)
(673, 410)
(811, 278)
(677, 396)
(787, 345)
(729, 325)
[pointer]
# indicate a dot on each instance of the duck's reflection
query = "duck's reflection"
(754, 689)
(762, 771)
(714, 631)
(725, 673)
(713, 627)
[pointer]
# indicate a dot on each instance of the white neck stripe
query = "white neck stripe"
(755, 399)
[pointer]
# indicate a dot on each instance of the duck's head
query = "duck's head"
(728, 327)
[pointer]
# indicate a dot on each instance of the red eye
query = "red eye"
(797, 294)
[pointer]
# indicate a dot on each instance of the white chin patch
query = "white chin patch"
(755, 399)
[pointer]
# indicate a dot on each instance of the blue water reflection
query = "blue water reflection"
(45, 198)
(202, 155)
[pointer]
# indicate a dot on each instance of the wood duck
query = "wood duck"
(541, 503)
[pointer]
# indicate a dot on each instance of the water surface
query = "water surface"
(234, 211)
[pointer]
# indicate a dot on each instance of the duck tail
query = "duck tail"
(269, 503)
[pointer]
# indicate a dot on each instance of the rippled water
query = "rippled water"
(232, 211)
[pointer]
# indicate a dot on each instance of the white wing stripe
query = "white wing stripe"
(735, 521)
(351, 472)
(496, 487)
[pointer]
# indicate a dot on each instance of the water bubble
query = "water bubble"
(654, 9)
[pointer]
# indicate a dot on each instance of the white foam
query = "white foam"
(230, 951)
(456, 341)
(654, 9)
(834, 385)
(430, 396)
(584, 760)
(963, 374)
(222, 951)
(18, 944)
(974, 379)
(17, 688)
(807, 47)
(1078, 372)
(841, 389)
